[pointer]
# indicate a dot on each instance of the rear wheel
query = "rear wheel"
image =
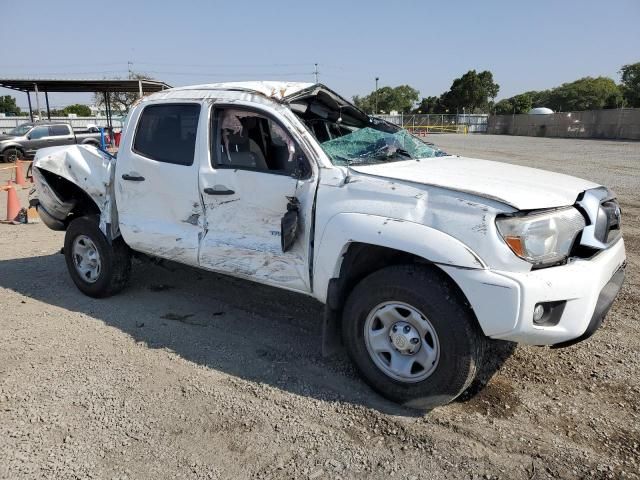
(411, 337)
(98, 269)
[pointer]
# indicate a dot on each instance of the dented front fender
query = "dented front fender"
(423, 241)
(88, 168)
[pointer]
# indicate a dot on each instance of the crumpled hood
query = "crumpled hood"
(521, 187)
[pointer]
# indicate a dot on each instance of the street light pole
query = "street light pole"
(377, 78)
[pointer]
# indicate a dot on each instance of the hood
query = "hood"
(6, 137)
(523, 188)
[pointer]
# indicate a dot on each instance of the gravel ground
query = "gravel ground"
(189, 374)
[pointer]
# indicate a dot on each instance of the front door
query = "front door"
(156, 183)
(36, 139)
(255, 174)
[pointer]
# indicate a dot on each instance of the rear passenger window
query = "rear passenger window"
(167, 133)
(59, 130)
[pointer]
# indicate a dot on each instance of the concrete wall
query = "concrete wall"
(612, 124)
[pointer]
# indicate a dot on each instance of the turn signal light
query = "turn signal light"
(515, 243)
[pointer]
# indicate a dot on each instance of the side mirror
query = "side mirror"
(301, 169)
(289, 224)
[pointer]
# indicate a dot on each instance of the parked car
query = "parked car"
(24, 140)
(424, 262)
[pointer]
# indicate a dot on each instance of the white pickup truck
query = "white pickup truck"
(422, 259)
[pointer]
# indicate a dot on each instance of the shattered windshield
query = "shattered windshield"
(351, 137)
(369, 145)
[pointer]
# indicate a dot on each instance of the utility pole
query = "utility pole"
(129, 66)
(376, 112)
(315, 71)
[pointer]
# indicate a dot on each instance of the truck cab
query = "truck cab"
(424, 260)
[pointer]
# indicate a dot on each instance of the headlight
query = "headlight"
(542, 238)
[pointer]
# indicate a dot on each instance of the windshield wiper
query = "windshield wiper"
(402, 151)
(389, 151)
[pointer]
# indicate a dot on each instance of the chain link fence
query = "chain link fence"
(422, 124)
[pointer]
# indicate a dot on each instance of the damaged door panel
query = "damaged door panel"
(247, 187)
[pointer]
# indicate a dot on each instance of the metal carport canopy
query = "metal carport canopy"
(71, 86)
(104, 86)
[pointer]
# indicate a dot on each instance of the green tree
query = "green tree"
(504, 107)
(8, 105)
(430, 105)
(78, 109)
(587, 93)
(121, 102)
(388, 99)
(538, 98)
(631, 84)
(518, 104)
(472, 92)
(522, 103)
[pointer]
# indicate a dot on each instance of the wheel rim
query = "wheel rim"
(401, 342)
(12, 156)
(86, 258)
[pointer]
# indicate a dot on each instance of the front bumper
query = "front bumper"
(504, 301)
(603, 305)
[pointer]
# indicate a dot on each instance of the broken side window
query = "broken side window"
(251, 140)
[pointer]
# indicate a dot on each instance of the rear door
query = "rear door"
(255, 169)
(60, 135)
(157, 194)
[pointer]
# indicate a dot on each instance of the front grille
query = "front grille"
(602, 213)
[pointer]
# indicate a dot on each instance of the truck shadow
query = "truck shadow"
(250, 331)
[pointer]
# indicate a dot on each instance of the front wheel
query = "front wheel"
(98, 269)
(411, 336)
(11, 154)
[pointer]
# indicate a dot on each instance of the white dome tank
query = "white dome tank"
(540, 111)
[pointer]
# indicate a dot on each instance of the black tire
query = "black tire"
(11, 154)
(115, 259)
(461, 342)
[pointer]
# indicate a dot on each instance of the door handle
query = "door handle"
(213, 191)
(132, 178)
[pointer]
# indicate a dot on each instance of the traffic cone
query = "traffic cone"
(20, 178)
(13, 204)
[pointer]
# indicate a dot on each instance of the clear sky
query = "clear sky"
(526, 44)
